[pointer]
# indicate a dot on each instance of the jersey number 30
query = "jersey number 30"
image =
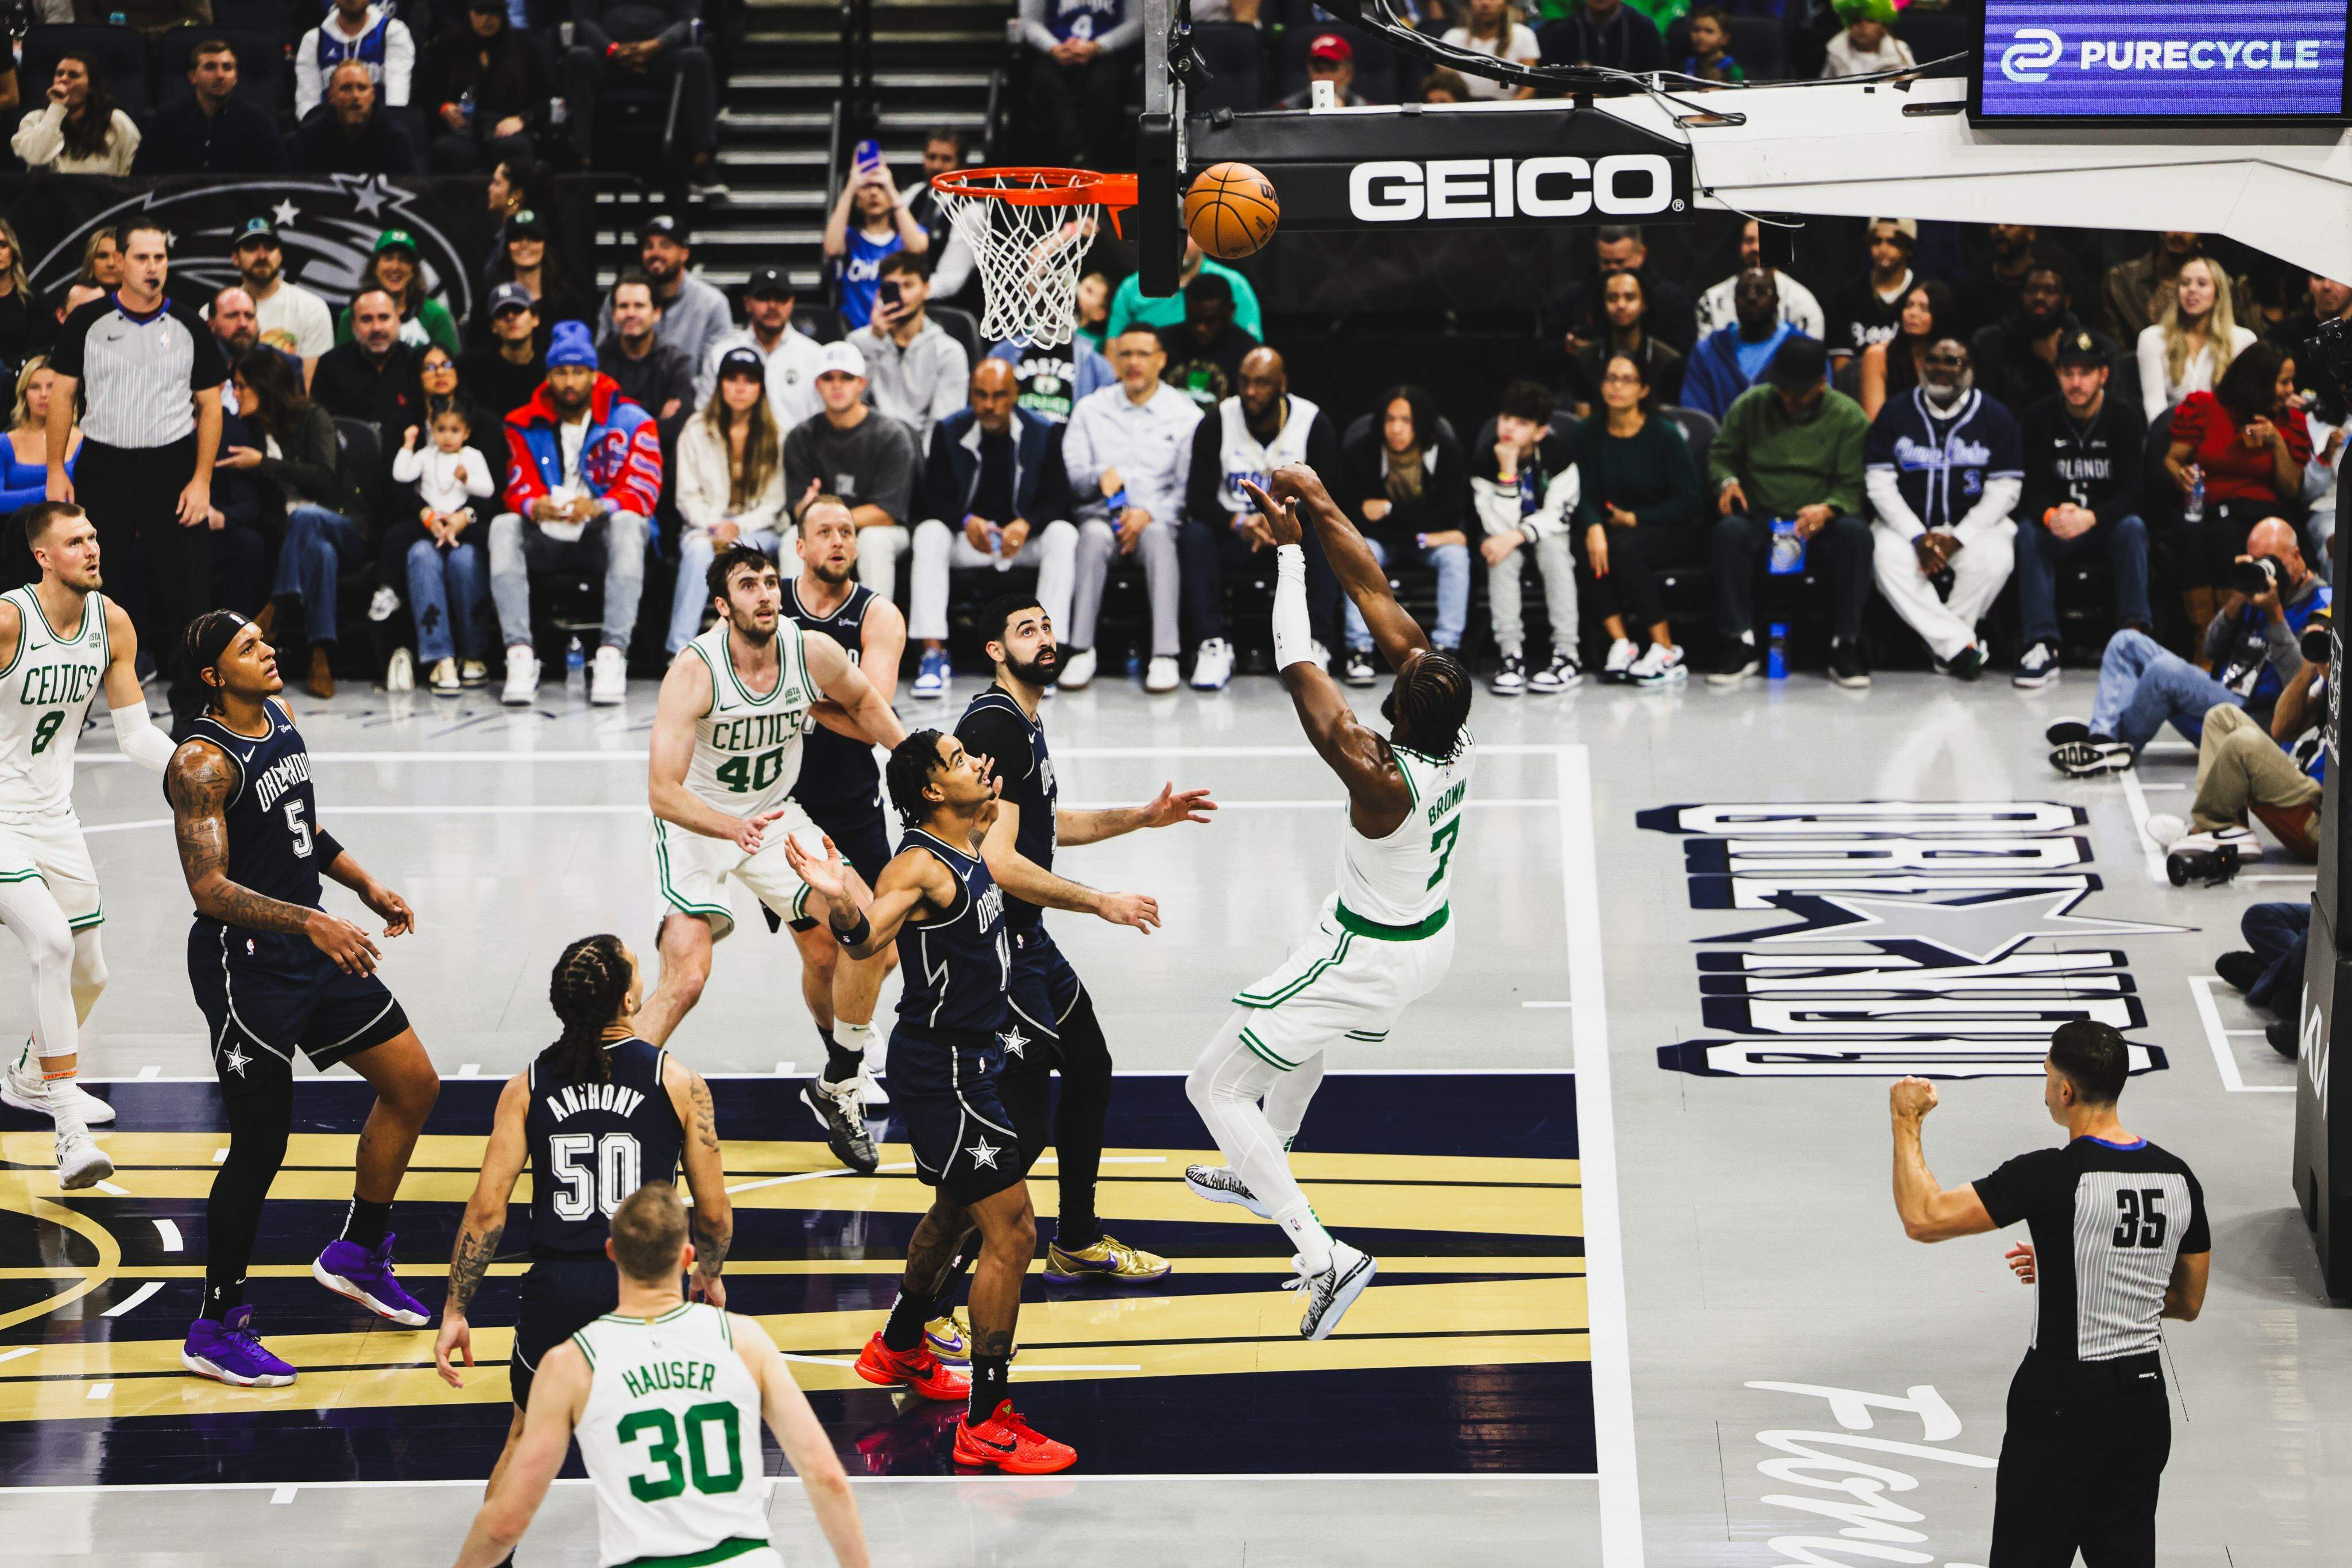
(658, 1486)
(597, 1172)
(2142, 1222)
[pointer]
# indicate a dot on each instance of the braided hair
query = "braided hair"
(1429, 703)
(590, 984)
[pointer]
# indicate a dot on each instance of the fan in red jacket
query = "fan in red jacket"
(584, 472)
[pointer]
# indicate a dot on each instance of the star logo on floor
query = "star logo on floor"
(235, 1060)
(984, 1152)
(1013, 1041)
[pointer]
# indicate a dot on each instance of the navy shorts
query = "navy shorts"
(561, 1296)
(861, 833)
(943, 1087)
(266, 995)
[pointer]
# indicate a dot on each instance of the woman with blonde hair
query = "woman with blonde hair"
(1493, 28)
(2192, 344)
(17, 314)
(25, 457)
(730, 484)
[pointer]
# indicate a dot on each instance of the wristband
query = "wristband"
(1118, 502)
(855, 935)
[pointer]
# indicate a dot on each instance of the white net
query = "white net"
(1029, 251)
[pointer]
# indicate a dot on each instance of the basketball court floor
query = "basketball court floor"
(1644, 1297)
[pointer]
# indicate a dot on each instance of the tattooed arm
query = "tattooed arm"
(200, 781)
(484, 1227)
(713, 1220)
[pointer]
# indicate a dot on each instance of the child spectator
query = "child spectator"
(1710, 41)
(1866, 46)
(446, 586)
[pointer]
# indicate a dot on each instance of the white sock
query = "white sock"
(1307, 1237)
(855, 1037)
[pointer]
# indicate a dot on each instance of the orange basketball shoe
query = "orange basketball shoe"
(917, 1369)
(1005, 1442)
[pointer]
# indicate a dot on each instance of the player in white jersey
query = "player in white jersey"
(1385, 937)
(664, 1397)
(726, 753)
(60, 641)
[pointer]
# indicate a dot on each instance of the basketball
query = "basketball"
(1231, 210)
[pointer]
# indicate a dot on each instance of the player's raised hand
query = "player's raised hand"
(825, 876)
(1281, 517)
(1140, 910)
(985, 818)
(2019, 1259)
(340, 940)
(399, 920)
(457, 1336)
(700, 1287)
(753, 832)
(1171, 807)
(1297, 479)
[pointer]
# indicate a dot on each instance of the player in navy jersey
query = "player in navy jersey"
(275, 974)
(1054, 1029)
(937, 902)
(596, 1115)
(841, 789)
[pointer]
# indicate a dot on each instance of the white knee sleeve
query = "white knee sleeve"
(89, 975)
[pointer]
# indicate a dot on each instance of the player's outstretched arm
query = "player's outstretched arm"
(1396, 632)
(482, 1228)
(807, 1447)
(713, 1218)
(1073, 826)
(558, 1393)
(199, 783)
(135, 734)
(839, 679)
(1359, 757)
(686, 697)
(1025, 879)
(865, 924)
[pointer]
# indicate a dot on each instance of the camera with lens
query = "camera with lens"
(2330, 351)
(2318, 638)
(2260, 574)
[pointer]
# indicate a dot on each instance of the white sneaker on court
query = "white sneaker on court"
(1079, 672)
(80, 1162)
(24, 1088)
(1222, 1184)
(608, 678)
(1332, 1291)
(522, 678)
(1162, 674)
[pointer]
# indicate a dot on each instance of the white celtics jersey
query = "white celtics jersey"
(671, 1437)
(1403, 879)
(747, 747)
(45, 693)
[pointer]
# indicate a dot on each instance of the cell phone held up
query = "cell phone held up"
(886, 293)
(868, 156)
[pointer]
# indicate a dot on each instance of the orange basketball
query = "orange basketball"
(1231, 210)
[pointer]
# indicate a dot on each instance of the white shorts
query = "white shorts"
(692, 869)
(50, 849)
(1349, 981)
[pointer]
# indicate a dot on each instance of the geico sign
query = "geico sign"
(1623, 184)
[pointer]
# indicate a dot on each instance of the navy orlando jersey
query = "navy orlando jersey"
(995, 727)
(592, 1145)
(837, 774)
(958, 964)
(272, 816)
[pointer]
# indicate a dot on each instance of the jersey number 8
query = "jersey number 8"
(597, 1172)
(45, 730)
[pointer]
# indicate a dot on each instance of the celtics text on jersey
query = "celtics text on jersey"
(747, 745)
(46, 692)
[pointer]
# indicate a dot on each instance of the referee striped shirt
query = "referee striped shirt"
(139, 373)
(2107, 1220)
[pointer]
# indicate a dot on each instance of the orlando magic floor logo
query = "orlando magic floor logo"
(1935, 937)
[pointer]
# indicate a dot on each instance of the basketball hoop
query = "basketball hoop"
(1029, 229)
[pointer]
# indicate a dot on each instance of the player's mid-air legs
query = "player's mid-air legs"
(1384, 938)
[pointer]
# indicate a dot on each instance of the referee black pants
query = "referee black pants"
(2080, 1466)
(160, 571)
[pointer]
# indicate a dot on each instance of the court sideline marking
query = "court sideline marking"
(2200, 986)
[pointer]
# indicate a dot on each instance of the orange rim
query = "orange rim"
(1026, 186)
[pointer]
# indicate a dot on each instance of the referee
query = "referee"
(150, 371)
(2119, 1241)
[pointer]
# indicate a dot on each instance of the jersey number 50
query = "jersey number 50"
(597, 1172)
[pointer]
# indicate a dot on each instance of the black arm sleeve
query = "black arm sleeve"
(2198, 1237)
(2013, 1192)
